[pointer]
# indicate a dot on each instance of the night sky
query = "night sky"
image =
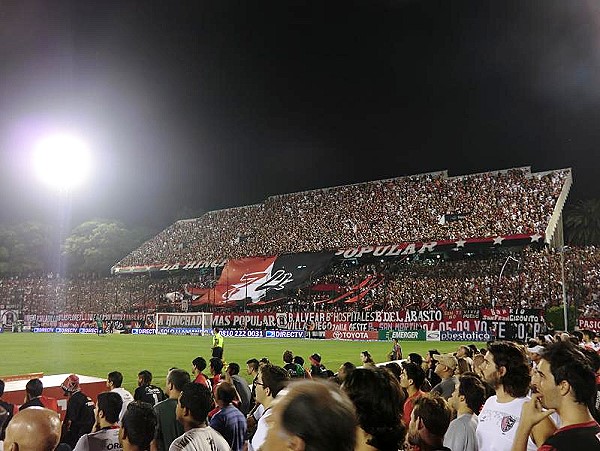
(191, 106)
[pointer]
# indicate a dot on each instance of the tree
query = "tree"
(95, 246)
(582, 223)
(26, 247)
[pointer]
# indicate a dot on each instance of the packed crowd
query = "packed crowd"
(529, 278)
(500, 398)
(391, 211)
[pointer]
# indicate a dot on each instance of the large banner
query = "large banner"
(250, 279)
(511, 324)
(592, 324)
(75, 323)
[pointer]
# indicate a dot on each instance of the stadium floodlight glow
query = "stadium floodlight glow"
(62, 161)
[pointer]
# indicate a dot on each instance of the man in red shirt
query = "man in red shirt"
(565, 384)
(411, 379)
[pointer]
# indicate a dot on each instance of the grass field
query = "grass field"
(97, 356)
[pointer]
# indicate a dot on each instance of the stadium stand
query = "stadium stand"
(415, 208)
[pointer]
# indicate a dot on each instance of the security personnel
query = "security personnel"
(217, 347)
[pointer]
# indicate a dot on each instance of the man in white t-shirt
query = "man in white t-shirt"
(106, 431)
(193, 405)
(270, 381)
(506, 369)
(114, 380)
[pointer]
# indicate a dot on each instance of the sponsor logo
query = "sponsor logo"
(433, 335)
(179, 331)
(289, 334)
(66, 330)
(143, 331)
(270, 334)
(454, 335)
(43, 329)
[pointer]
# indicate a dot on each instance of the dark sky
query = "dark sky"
(200, 105)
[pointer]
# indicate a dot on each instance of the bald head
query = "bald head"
(33, 429)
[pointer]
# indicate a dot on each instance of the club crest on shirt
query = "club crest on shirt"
(507, 423)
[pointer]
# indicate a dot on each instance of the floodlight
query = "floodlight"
(62, 161)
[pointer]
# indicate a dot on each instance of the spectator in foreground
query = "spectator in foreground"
(106, 430)
(429, 422)
(378, 399)
(345, 370)
(168, 428)
(139, 427)
(241, 386)
(199, 365)
(195, 401)
(445, 368)
(506, 369)
(80, 417)
(467, 399)
(33, 394)
(229, 421)
(34, 429)
(147, 392)
(312, 416)
(566, 384)
(114, 382)
(10, 410)
(270, 381)
(411, 380)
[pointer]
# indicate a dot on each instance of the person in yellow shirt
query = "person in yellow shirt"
(217, 347)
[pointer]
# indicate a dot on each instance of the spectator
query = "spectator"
(429, 365)
(147, 392)
(378, 399)
(270, 381)
(229, 421)
(33, 394)
(506, 368)
(139, 427)
(168, 428)
(345, 370)
(367, 359)
(312, 416)
(114, 382)
(298, 360)
(199, 365)
(216, 367)
(446, 365)
(565, 383)
(293, 369)
(80, 417)
(10, 410)
(411, 380)
(466, 401)
(429, 422)
(241, 386)
(195, 401)
(317, 369)
(35, 429)
(106, 431)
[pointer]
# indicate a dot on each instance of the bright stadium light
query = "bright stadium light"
(62, 161)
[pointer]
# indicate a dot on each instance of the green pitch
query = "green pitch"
(94, 355)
